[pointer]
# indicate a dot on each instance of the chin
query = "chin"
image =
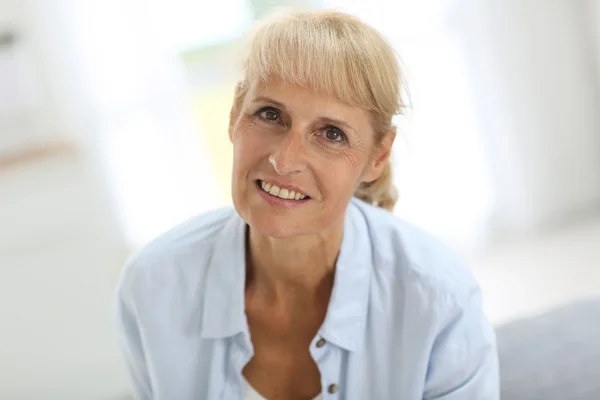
(281, 222)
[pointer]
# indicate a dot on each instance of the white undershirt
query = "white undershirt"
(252, 394)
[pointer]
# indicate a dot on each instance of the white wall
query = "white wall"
(122, 95)
(538, 101)
(61, 241)
(27, 117)
(593, 21)
(59, 259)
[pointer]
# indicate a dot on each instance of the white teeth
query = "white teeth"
(274, 190)
(282, 193)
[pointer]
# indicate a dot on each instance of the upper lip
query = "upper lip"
(285, 186)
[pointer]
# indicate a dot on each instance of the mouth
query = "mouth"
(282, 193)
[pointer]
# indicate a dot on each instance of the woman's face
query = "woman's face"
(298, 158)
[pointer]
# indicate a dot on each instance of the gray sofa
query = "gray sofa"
(554, 356)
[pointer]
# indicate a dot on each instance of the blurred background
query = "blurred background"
(113, 128)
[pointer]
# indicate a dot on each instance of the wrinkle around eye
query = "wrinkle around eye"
(353, 157)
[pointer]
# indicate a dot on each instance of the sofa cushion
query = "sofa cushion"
(552, 356)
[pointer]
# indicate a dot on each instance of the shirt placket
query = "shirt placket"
(328, 358)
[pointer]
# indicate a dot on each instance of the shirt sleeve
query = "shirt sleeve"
(464, 359)
(129, 336)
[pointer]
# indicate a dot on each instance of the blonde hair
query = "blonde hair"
(336, 54)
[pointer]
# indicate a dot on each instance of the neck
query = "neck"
(293, 267)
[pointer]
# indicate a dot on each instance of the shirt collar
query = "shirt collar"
(344, 324)
(346, 317)
(224, 313)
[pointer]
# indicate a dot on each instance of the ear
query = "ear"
(238, 100)
(380, 157)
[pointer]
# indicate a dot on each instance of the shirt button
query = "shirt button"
(321, 342)
(333, 388)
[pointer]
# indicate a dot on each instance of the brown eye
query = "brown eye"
(268, 114)
(334, 135)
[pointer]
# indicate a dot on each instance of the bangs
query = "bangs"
(331, 53)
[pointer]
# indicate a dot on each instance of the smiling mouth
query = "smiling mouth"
(282, 193)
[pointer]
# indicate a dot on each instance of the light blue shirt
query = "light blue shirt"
(404, 320)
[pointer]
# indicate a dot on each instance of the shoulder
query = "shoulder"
(178, 253)
(199, 231)
(412, 257)
(421, 283)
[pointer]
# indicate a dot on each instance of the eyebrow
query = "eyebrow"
(269, 100)
(325, 120)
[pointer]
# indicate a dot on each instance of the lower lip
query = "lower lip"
(278, 201)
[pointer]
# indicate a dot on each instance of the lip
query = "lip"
(278, 201)
(284, 186)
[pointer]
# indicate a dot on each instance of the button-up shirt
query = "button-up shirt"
(404, 320)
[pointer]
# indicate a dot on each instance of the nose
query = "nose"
(290, 155)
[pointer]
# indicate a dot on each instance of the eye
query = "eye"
(333, 134)
(268, 114)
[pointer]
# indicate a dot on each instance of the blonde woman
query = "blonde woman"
(308, 288)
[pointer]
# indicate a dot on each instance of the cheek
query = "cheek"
(248, 147)
(340, 177)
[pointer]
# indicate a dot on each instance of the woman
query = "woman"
(302, 291)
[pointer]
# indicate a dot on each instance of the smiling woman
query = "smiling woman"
(302, 290)
(295, 139)
(368, 79)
